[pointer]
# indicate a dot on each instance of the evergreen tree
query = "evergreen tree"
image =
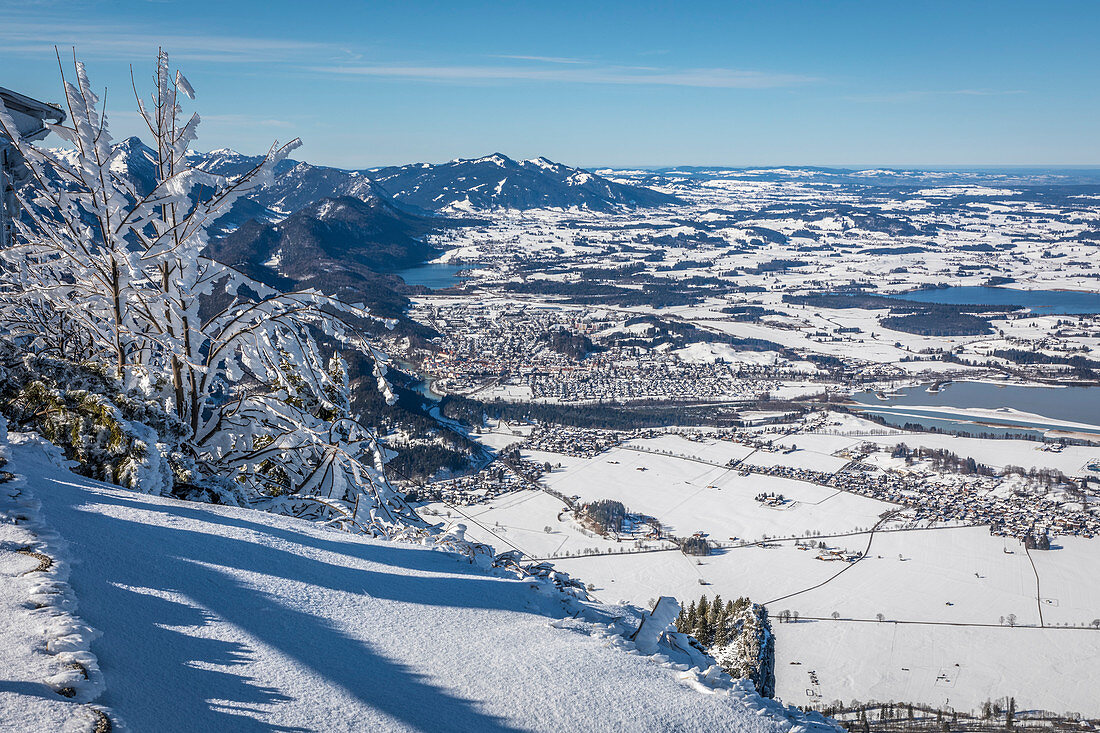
(701, 629)
(715, 614)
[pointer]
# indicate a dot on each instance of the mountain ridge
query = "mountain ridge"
(494, 181)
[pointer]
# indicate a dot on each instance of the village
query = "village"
(494, 349)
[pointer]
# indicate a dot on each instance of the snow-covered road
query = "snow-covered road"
(215, 618)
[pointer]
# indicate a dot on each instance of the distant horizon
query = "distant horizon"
(52, 141)
(946, 167)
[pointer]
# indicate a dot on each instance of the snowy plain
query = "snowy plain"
(949, 588)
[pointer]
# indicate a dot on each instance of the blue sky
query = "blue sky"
(599, 83)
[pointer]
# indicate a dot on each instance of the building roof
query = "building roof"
(30, 114)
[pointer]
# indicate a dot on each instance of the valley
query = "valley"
(797, 320)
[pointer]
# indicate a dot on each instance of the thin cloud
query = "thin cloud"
(540, 59)
(637, 76)
(916, 96)
(114, 42)
(238, 121)
(218, 121)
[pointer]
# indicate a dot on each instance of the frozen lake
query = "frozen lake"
(1047, 302)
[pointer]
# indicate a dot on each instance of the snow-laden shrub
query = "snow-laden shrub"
(109, 270)
(113, 436)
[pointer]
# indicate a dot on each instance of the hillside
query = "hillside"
(216, 618)
(344, 246)
(498, 182)
(490, 182)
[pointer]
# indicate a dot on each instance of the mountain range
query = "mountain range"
(347, 231)
(491, 182)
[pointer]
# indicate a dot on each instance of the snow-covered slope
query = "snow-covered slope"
(213, 618)
(490, 182)
(499, 182)
(343, 247)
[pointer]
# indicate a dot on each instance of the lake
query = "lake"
(1047, 302)
(436, 275)
(1072, 404)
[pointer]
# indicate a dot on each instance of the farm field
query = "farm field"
(691, 496)
(1045, 669)
(948, 594)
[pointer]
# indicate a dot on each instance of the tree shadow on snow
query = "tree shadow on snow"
(170, 582)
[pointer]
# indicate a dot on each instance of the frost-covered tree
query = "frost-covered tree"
(104, 272)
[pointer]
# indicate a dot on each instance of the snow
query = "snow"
(859, 658)
(1006, 415)
(949, 191)
(707, 353)
(1045, 669)
(649, 633)
(692, 494)
(541, 162)
(37, 646)
(235, 619)
(943, 590)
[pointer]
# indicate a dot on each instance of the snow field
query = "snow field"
(857, 659)
(930, 578)
(1045, 669)
(1069, 584)
(961, 566)
(689, 496)
(519, 519)
(759, 573)
(219, 618)
(1071, 460)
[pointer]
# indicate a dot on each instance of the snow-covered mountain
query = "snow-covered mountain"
(296, 184)
(494, 181)
(124, 611)
(491, 182)
(497, 181)
(465, 185)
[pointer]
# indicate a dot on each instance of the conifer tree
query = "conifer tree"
(715, 614)
(722, 628)
(701, 629)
